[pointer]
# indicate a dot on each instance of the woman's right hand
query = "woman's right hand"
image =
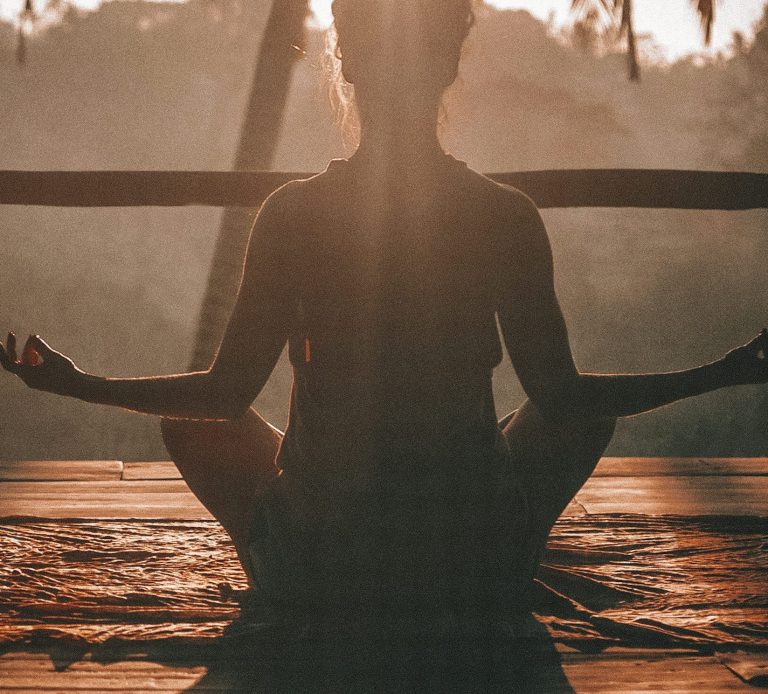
(41, 367)
(748, 364)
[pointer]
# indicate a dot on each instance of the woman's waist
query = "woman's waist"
(388, 422)
(379, 453)
(398, 386)
(457, 349)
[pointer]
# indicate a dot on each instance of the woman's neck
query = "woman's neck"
(399, 142)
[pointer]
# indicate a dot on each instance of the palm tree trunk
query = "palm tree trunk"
(628, 26)
(258, 142)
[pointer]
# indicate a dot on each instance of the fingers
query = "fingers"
(5, 360)
(8, 355)
(759, 342)
(40, 350)
(30, 356)
(12, 347)
(40, 345)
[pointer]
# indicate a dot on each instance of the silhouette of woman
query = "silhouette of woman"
(385, 275)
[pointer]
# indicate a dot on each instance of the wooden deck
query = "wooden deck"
(154, 490)
(607, 673)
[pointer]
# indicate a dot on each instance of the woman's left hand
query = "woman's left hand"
(748, 364)
(41, 367)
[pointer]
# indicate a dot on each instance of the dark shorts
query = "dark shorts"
(451, 526)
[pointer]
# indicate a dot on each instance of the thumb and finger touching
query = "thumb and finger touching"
(764, 344)
(5, 358)
(758, 347)
(8, 353)
(33, 353)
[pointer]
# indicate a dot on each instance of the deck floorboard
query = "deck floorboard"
(652, 671)
(608, 467)
(154, 490)
(652, 486)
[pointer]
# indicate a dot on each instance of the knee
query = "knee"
(590, 435)
(598, 428)
(179, 430)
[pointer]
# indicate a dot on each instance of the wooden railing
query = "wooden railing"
(694, 190)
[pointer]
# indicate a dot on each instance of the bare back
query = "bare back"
(394, 291)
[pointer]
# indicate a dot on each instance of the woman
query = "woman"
(385, 274)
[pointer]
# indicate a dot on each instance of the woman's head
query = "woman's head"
(397, 53)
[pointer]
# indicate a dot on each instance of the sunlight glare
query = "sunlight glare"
(321, 12)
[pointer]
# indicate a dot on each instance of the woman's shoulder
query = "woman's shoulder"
(300, 189)
(501, 195)
(339, 173)
(511, 219)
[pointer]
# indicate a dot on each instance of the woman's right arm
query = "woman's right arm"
(536, 338)
(256, 333)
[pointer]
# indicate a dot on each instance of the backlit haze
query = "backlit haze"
(671, 25)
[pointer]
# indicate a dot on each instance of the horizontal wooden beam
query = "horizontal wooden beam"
(643, 188)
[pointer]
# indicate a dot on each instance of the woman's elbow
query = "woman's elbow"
(223, 401)
(562, 402)
(229, 406)
(576, 400)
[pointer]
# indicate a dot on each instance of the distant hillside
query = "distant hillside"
(148, 86)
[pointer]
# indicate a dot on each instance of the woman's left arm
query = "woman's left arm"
(254, 338)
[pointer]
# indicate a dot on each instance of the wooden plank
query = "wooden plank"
(598, 675)
(665, 188)
(608, 467)
(680, 467)
(105, 680)
(170, 498)
(685, 496)
(752, 668)
(574, 509)
(36, 662)
(143, 499)
(61, 470)
(182, 511)
(48, 489)
(151, 470)
(117, 499)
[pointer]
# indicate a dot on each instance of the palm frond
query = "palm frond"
(620, 11)
(581, 7)
(593, 13)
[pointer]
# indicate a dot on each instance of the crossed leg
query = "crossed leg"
(553, 461)
(226, 465)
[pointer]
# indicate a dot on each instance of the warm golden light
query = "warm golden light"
(679, 34)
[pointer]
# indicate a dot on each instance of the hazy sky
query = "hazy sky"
(673, 23)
